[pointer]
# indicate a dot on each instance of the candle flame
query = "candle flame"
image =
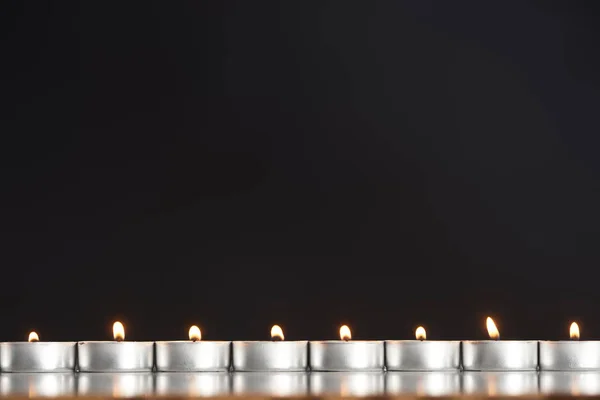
(277, 333)
(345, 333)
(118, 331)
(574, 331)
(33, 337)
(492, 330)
(420, 333)
(194, 333)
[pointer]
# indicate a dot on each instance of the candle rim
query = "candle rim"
(348, 341)
(269, 341)
(422, 341)
(192, 341)
(39, 342)
(123, 342)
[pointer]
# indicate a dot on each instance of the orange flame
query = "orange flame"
(277, 333)
(574, 331)
(118, 331)
(492, 330)
(194, 333)
(420, 333)
(345, 333)
(33, 337)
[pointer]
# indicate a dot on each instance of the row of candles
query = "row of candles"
(277, 354)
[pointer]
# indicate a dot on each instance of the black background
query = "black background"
(240, 164)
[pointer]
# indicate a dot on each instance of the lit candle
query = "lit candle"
(499, 355)
(36, 356)
(346, 354)
(194, 354)
(422, 354)
(115, 356)
(275, 355)
(574, 354)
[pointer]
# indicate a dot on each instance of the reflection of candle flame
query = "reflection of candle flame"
(118, 331)
(574, 331)
(492, 330)
(492, 386)
(277, 333)
(194, 333)
(420, 333)
(345, 333)
(33, 337)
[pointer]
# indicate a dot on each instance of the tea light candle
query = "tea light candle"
(193, 384)
(276, 355)
(422, 355)
(50, 384)
(564, 355)
(436, 383)
(280, 384)
(346, 355)
(36, 356)
(495, 355)
(574, 383)
(506, 383)
(193, 355)
(347, 384)
(115, 384)
(116, 356)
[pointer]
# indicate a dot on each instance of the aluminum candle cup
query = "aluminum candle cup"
(116, 384)
(271, 383)
(576, 383)
(38, 385)
(347, 355)
(497, 355)
(193, 355)
(193, 384)
(351, 383)
(35, 356)
(436, 383)
(510, 383)
(271, 356)
(116, 356)
(570, 355)
(422, 355)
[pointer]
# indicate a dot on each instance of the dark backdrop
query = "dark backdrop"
(239, 164)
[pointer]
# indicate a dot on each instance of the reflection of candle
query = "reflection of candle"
(498, 355)
(52, 384)
(347, 384)
(421, 354)
(36, 356)
(193, 384)
(346, 354)
(278, 383)
(117, 355)
(565, 355)
(505, 383)
(193, 355)
(276, 355)
(435, 383)
(115, 384)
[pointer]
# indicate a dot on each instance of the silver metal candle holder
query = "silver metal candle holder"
(188, 356)
(426, 355)
(499, 355)
(270, 356)
(116, 356)
(37, 356)
(569, 355)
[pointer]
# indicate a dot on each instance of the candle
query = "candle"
(422, 354)
(347, 384)
(193, 355)
(346, 355)
(575, 383)
(436, 383)
(193, 384)
(497, 383)
(276, 355)
(570, 354)
(115, 384)
(280, 384)
(117, 355)
(496, 355)
(51, 384)
(36, 356)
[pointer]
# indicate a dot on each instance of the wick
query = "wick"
(276, 339)
(194, 340)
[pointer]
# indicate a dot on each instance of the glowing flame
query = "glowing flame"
(118, 331)
(574, 331)
(33, 337)
(276, 333)
(492, 330)
(195, 333)
(345, 333)
(420, 333)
